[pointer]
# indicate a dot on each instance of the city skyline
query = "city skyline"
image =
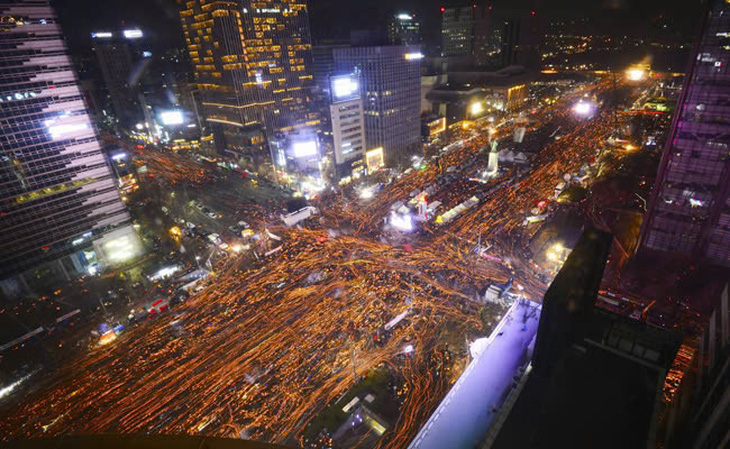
(410, 224)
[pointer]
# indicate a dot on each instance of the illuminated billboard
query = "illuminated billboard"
(304, 149)
(413, 56)
(436, 127)
(375, 159)
(344, 87)
(133, 34)
(171, 118)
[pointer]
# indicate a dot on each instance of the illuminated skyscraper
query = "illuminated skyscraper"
(404, 29)
(251, 62)
(60, 210)
(390, 86)
(689, 212)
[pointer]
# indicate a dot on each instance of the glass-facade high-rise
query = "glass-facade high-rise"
(252, 64)
(467, 31)
(689, 211)
(57, 195)
(121, 63)
(404, 29)
(390, 86)
(457, 31)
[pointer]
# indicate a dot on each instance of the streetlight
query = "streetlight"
(476, 108)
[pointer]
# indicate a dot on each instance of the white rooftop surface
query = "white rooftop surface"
(463, 417)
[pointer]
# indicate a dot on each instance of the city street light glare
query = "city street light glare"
(345, 86)
(582, 108)
(476, 108)
(304, 149)
(635, 74)
(366, 193)
(402, 222)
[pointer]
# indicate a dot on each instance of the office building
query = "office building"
(60, 210)
(689, 211)
(510, 40)
(457, 31)
(404, 29)
(122, 61)
(252, 63)
(596, 377)
(700, 412)
(391, 92)
(710, 418)
(465, 31)
(348, 125)
(323, 62)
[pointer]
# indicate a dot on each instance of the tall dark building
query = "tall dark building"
(391, 94)
(121, 63)
(474, 31)
(252, 63)
(592, 367)
(59, 206)
(699, 414)
(457, 31)
(708, 423)
(689, 211)
(510, 40)
(404, 29)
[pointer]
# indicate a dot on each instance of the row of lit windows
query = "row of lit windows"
(268, 20)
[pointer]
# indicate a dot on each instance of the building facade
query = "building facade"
(323, 63)
(348, 125)
(709, 419)
(59, 205)
(457, 31)
(466, 31)
(689, 212)
(121, 63)
(252, 64)
(390, 86)
(404, 29)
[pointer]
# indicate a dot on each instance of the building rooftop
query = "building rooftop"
(597, 398)
(598, 377)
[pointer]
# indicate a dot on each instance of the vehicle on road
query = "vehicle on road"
(158, 307)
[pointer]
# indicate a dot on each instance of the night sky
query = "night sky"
(334, 18)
